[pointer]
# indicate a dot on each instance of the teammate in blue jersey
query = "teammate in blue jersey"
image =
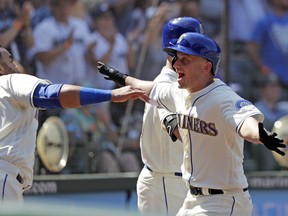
(21, 96)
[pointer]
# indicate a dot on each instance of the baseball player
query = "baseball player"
(160, 188)
(213, 122)
(21, 96)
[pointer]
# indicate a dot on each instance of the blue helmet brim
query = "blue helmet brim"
(178, 48)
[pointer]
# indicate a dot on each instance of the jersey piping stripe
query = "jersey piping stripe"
(3, 186)
(165, 195)
(233, 204)
(251, 114)
(190, 137)
(163, 105)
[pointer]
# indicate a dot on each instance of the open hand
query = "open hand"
(270, 140)
(111, 73)
(128, 92)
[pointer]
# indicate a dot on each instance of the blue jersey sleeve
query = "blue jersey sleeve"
(47, 96)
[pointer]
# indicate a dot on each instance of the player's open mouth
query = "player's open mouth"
(180, 75)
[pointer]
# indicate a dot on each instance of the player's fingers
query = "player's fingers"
(280, 145)
(100, 63)
(279, 152)
(145, 98)
(277, 140)
(107, 78)
(280, 140)
(274, 134)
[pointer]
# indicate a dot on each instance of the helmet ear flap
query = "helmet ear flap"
(174, 59)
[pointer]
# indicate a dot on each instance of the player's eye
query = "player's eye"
(185, 60)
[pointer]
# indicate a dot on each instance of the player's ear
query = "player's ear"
(207, 66)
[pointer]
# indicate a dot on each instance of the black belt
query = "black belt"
(199, 191)
(19, 178)
(175, 173)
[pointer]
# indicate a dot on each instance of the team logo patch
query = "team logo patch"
(243, 103)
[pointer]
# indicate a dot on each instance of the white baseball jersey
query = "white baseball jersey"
(70, 66)
(157, 149)
(209, 121)
(18, 123)
(159, 190)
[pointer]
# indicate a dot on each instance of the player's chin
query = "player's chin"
(180, 85)
(180, 81)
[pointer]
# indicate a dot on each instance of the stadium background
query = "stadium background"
(114, 193)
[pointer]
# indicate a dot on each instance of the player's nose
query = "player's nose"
(176, 66)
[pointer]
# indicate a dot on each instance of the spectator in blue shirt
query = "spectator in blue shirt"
(269, 44)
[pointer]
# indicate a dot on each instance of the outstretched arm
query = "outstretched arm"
(253, 131)
(123, 79)
(51, 96)
(145, 86)
(76, 96)
(170, 122)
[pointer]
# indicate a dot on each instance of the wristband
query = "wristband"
(17, 25)
(91, 96)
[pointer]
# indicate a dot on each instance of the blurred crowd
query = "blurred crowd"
(62, 40)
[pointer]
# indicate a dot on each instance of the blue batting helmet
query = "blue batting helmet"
(174, 28)
(193, 43)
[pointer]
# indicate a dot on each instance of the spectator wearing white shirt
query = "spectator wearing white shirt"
(110, 46)
(60, 45)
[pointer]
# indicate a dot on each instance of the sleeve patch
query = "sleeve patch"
(244, 103)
